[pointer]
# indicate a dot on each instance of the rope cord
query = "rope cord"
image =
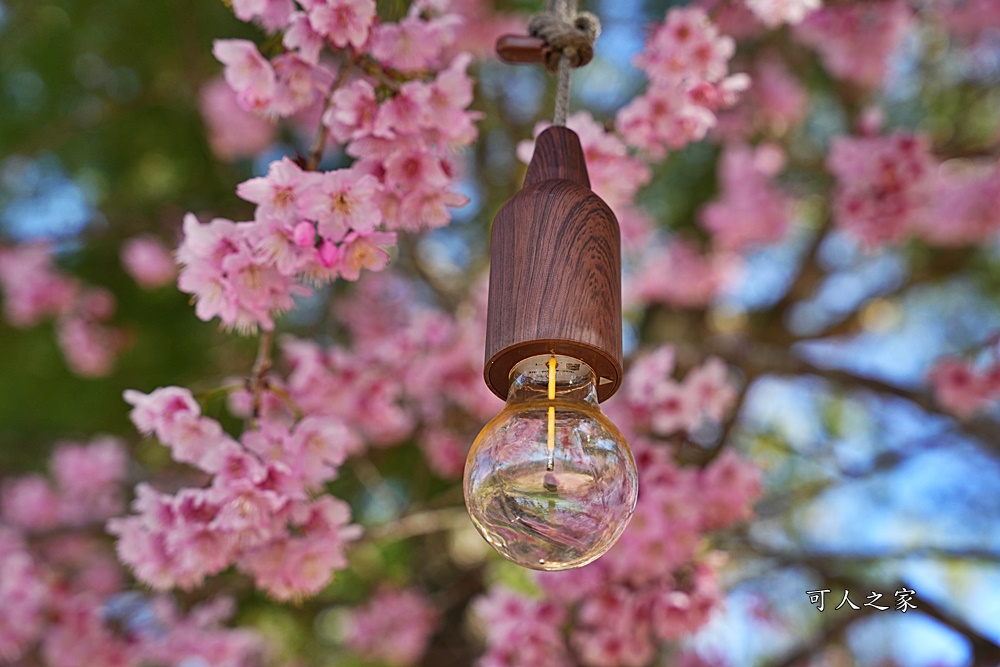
(569, 37)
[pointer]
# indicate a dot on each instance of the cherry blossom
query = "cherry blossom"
(35, 290)
(256, 513)
(967, 197)
(62, 594)
(961, 388)
(694, 279)
(232, 131)
(968, 18)
(343, 22)
(148, 261)
(883, 185)
(856, 40)
(393, 626)
(687, 62)
(247, 72)
(750, 210)
(273, 14)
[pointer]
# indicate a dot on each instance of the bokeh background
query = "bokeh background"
(869, 483)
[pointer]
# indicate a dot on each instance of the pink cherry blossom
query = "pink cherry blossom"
(298, 84)
(24, 598)
(353, 111)
(412, 44)
(33, 288)
(710, 388)
(447, 103)
(521, 631)
(229, 279)
(967, 196)
(278, 194)
(968, 19)
(406, 112)
(62, 599)
(364, 251)
(393, 626)
(856, 40)
(693, 280)
(960, 388)
(30, 502)
(90, 348)
(174, 416)
(247, 72)
(883, 185)
(87, 478)
(687, 61)
(273, 14)
(302, 39)
(750, 209)
(343, 22)
(302, 565)
(676, 613)
(342, 201)
(445, 452)
(148, 261)
(232, 131)
(728, 488)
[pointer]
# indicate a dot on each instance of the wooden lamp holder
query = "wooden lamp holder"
(555, 270)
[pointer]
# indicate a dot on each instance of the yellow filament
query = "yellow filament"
(552, 412)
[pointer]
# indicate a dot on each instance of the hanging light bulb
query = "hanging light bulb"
(550, 481)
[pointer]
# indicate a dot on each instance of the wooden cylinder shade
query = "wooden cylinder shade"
(555, 270)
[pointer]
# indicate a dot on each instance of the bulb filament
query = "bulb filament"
(552, 413)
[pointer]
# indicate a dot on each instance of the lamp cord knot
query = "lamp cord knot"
(570, 36)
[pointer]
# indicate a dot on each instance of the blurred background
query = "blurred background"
(871, 482)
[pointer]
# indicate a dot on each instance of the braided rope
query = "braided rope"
(569, 38)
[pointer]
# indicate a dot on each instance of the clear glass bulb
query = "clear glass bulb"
(551, 482)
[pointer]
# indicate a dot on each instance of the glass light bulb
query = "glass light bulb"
(550, 482)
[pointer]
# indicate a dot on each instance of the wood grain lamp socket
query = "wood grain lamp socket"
(555, 270)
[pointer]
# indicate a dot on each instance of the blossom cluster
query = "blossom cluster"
(394, 626)
(410, 370)
(856, 40)
(890, 188)
(775, 103)
(654, 401)
(396, 102)
(695, 278)
(750, 210)
(148, 261)
(258, 511)
(969, 19)
(62, 592)
(882, 185)
(962, 388)
(687, 63)
(35, 290)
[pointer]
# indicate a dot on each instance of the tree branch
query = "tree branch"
(258, 376)
(762, 359)
(832, 632)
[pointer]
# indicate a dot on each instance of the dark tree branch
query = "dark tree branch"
(759, 359)
(832, 632)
